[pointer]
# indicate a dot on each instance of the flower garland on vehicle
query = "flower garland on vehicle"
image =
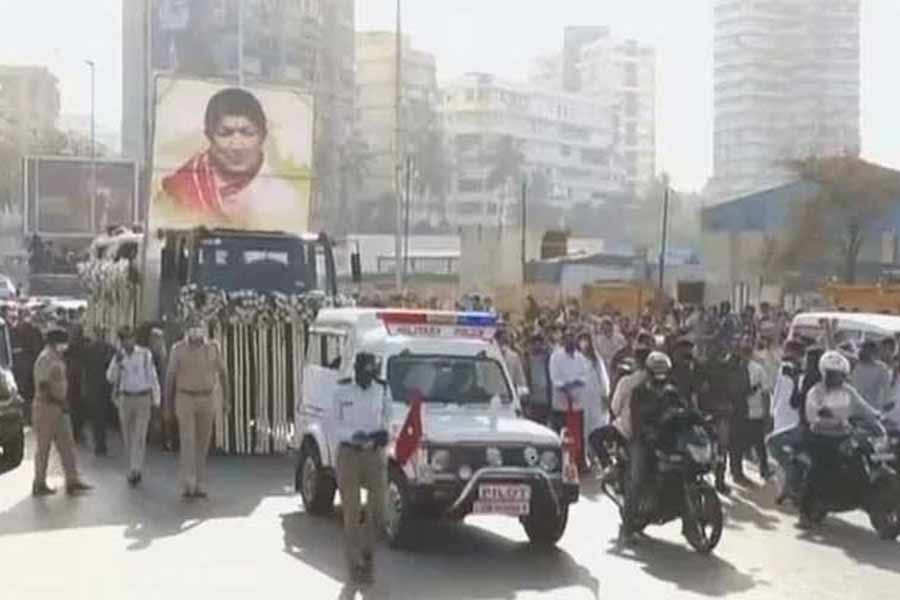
(112, 290)
(255, 331)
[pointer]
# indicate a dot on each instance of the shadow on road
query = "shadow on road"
(679, 564)
(454, 561)
(154, 510)
(859, 543)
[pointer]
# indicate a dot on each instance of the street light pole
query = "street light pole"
(664, 241)
(93, 211)
(398, 151)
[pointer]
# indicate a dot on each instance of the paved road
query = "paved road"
(252, 539)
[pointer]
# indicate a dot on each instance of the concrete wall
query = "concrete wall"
(491, 257)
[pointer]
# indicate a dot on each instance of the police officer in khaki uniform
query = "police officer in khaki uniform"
(50, 416)
(361, 415)
(196, 366)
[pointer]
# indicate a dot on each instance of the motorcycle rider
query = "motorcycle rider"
(830, 405)
(649, 402)
(685, 376)
(723, 383)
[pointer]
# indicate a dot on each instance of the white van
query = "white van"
(854, 327)
(478, 453)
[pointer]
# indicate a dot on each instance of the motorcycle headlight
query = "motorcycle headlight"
(440, 461)
(549, 461)
(700, 453)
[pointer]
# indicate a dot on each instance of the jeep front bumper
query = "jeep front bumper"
(454, 497)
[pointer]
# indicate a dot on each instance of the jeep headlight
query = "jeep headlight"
(440, 461)
(700, 453)
(549, 461)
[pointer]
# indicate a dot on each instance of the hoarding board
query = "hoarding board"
(238, 158)
(71, 196)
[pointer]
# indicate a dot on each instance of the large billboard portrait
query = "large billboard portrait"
(238, 158)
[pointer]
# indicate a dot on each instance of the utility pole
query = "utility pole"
(407, 209)
(398, 149)
(524, 225)
(92, 67)
(665, 239)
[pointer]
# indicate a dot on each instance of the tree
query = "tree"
(506, 162)
(852, 197)
(355, 164)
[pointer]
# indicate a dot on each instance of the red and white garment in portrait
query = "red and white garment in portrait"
(256, 200)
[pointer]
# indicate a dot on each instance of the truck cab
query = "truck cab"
(478, 454)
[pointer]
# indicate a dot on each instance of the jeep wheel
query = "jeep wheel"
(545, 528)
(13, 452)
(315, 485)
(399, 518)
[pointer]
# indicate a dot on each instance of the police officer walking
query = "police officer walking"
(135, 387)
(50, 416)
(195, 367)
(362, 416)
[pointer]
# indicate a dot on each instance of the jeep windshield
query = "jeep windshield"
(441, 379)
(264, 264)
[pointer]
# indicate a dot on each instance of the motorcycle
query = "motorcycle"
(850, 473)
(677, 487)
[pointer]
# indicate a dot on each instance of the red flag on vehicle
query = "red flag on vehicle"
(575, 424)
(409, 437)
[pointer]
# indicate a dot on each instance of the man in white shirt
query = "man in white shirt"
(361, 417)
(569, 371)
(757, 410)
(608, 342)
(132, 374)
(512, 360)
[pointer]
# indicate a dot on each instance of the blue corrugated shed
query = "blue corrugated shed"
(769, 211)
(765, 211)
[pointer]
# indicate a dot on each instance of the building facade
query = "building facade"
(376, 124)
(500, 132)
(787, 86)
(29, 105)
(619, 75)
(307, 45)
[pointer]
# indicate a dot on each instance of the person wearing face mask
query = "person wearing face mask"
(830, 405)
(596, 392)
(196, 368)
(569, 373)
(135, 388)
(685, 376)
(648, 403)
(50, 417)
(361, 416)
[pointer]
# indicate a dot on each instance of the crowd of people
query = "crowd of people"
(601, 375)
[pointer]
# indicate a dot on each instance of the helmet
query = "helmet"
(659, 365)
(834, 361)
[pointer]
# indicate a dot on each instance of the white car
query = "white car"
(477, 453)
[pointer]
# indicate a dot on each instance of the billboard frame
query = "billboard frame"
(36, 160)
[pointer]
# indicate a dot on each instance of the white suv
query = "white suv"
(477, 454)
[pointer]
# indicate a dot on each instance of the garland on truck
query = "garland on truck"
(262, 338)
(112, 290)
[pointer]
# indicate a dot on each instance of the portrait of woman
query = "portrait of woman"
(230, 181)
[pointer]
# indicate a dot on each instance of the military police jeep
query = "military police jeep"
(476, 454)
(12, 435)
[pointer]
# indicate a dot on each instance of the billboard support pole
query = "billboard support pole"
(240, 44)
(92, 67)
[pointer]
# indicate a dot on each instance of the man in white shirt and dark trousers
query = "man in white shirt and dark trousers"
(362, 417)
(568, 375)
(135, 386)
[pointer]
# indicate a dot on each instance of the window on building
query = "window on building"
(631, 104)
(469, 185)
(631, 134)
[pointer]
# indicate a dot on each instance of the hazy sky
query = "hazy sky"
(498, 36)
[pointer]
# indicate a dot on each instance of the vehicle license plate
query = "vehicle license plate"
(503, 499)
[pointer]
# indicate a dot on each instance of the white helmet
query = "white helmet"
(834, 361)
